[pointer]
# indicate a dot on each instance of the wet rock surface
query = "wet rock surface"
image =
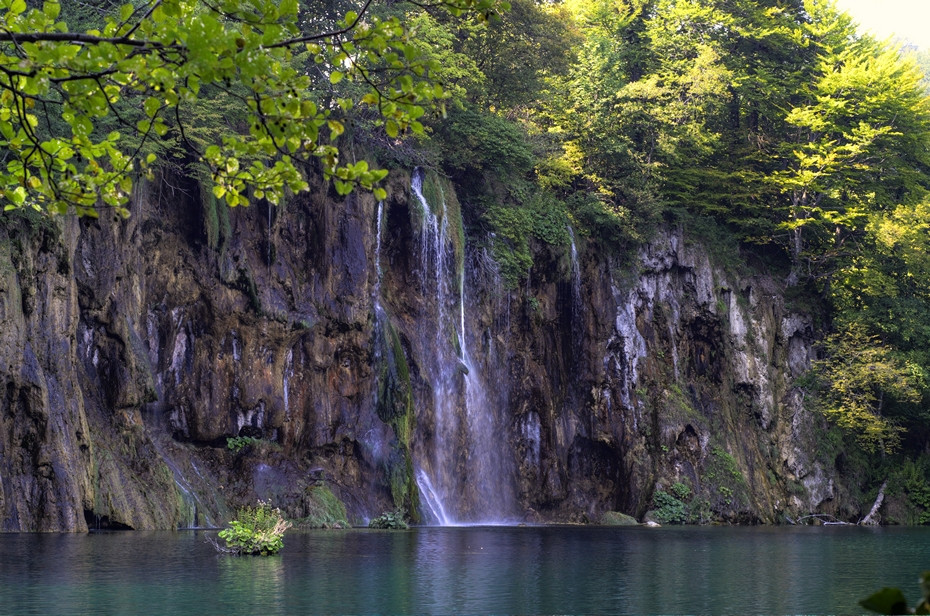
(132, 352)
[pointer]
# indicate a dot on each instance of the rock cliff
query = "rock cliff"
(376, 349)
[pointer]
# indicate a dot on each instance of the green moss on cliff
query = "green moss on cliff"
(215, 218)
(324, 509)
(725, 480)
(395, 408)
(615, 518)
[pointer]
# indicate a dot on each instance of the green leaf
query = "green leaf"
(151, 106)
(335, 77)
(17, 7)
(51, 9)
(18, 196)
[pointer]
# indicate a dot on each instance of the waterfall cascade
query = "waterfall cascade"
(465, 476)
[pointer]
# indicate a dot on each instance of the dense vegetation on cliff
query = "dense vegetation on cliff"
(769, 128)
(772, 123)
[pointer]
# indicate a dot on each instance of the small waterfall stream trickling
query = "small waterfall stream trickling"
(464, 478)
(372, 439)
(378, 251)
(577, 304)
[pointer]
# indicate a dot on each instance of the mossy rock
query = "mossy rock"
(323, 509)
(615, 518)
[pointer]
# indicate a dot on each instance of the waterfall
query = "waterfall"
(377, 442)
(464, 478)
(435, 477)
(378, 251)
(286, 381)
(577, 304)
(576, 274)
(429, 497)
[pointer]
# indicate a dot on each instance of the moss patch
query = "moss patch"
(323, 508)
(395, 408)
(615, 518)
(726, 481)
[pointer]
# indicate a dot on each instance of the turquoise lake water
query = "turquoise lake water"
(516, 570)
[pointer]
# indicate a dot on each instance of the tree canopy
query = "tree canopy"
(77, 108)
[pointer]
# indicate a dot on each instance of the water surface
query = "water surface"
(472, 570)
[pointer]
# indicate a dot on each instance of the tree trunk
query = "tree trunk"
(870, 520)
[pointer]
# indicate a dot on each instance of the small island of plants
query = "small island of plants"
(256, 530)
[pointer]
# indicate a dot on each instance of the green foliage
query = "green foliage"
(517, 54)
(549, 218)
(722, 474)
(922, 60)
(681, 490)
(892, 600)
(679, 506)
(256, 530)
(144, 65)
(859, 373)
(604, 220)
(669, 509)
(884, 287)
(215, 219)
(911, 478)
(512, 227)
(476, 141)
(238, 443)
(390, 520)
(723, 466)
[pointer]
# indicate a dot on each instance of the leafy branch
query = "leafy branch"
(161, 56)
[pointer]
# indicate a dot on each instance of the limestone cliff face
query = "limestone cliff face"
(131, 351)
(678, 373)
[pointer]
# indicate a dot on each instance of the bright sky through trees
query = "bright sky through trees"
(908, 19)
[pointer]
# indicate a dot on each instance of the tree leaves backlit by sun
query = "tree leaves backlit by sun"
(861, 376)
(78, 108)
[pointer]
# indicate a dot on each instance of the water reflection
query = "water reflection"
(443, 570)
(251, 581)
